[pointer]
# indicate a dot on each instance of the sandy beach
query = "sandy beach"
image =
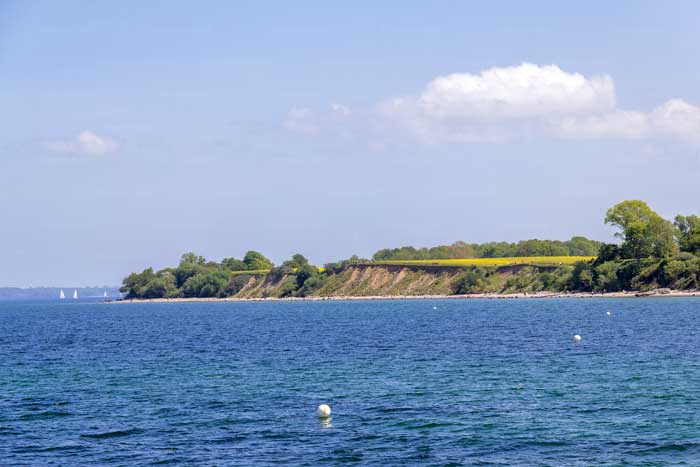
(538, 295)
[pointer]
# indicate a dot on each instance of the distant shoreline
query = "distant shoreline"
(494, 296)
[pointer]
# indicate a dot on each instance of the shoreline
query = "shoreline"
(491, 296)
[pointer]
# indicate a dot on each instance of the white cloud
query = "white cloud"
(616, 124)
(674, 118)
(677, 118)
(86, 142)
(508, 103)
(515, 92)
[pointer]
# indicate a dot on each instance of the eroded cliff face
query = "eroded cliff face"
(364, 281)
(266, 286)
(391, 281)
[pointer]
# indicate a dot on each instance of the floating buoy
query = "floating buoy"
(434, 308)
(323, 411)
(577, 338)
(608, 313)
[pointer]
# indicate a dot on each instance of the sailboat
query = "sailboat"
(75, 294)
(105, 294)
(62, 296)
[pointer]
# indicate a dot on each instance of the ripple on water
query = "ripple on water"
(112, 433)
(238, 383)
(46, 414)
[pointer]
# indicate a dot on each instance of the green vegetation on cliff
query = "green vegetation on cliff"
(652, 252)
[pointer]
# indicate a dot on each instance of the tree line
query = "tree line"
(651, 252)
(576, 246)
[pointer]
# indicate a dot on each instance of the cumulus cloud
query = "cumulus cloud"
(507, 103)
(515, 92)
(86, 142)
(615, 124)
(673, 119)
(677, 118)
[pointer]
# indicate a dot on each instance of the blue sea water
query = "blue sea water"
(473, 382)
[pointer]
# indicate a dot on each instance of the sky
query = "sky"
(132, 132)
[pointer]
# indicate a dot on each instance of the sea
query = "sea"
(409, 382)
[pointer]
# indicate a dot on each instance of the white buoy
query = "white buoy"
(608, 313)
(323, 411)
(577, 338)
(434, 308)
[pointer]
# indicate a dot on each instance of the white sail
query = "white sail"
(75, 294)
(61, 295)
(105, 294)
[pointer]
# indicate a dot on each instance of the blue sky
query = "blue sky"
(135, 131)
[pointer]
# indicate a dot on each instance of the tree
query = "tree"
(581, 246)
(643, 231)
(186, 270)
(208, 284)
(296, 262)
(191, 258)
(581, 277)
(255, 261)
(233, 264)
(608, 252)
(606, 279)
(688, 233)
(472, 281)
(305, 272)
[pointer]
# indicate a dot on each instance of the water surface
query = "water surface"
(473, 382)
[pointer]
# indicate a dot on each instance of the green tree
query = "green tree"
(296, 262)
(688, 233)
(472, 281)
(135, 283)
(233, 264)
(304, 273)
(643, 231)
(581, 246)
(191, 258)
(208, 284)
(186, 270)
(606, 279)
(255, 261)
(582, 277)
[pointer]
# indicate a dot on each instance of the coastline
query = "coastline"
(492, 296)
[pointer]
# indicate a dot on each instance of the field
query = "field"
(255, 272)
(511, 261)
(533, 260)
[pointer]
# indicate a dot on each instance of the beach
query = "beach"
(493, 296)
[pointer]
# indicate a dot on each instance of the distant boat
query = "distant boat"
(75, 294)
(105, 294)
(62, 296)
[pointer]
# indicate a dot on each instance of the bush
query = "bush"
(472, 281)
(209, 284)
(606, 279)
(236, 284)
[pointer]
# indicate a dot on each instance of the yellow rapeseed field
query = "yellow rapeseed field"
(534, 260)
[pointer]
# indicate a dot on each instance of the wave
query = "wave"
(112, 434)
(45, 415)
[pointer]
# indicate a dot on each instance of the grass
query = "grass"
(532, 260)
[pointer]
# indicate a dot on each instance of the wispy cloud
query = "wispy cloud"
(86, 142)
(500, 104)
